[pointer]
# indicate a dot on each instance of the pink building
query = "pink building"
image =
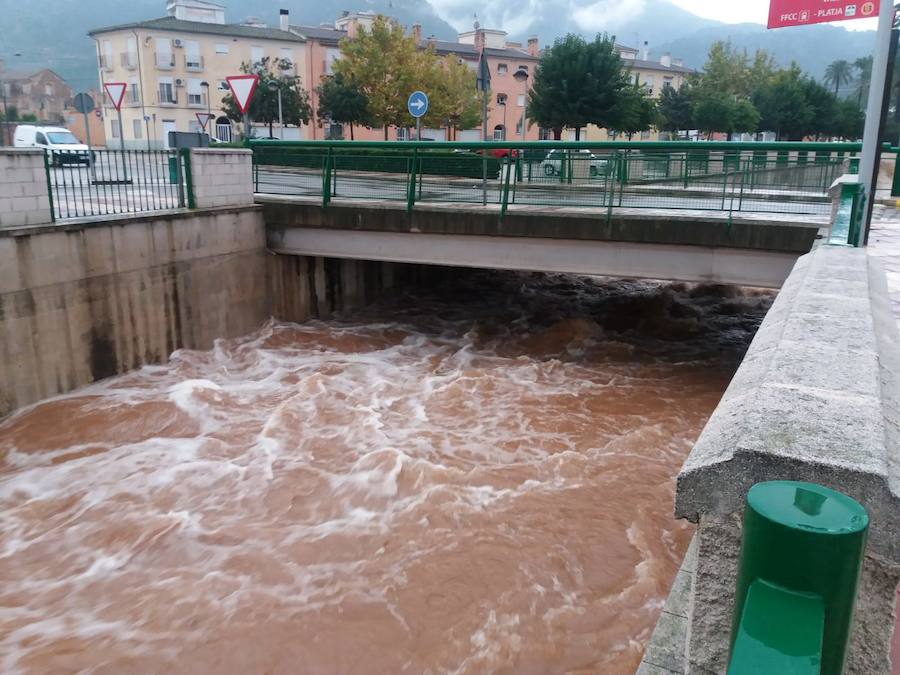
(508, 95)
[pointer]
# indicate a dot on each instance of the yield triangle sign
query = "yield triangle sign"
(242, 88)
(204, 119)
(116, 92)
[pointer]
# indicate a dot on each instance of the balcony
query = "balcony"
(165, 61)
(193, 63)
(106, 62)
(128, 60)
(131, 99)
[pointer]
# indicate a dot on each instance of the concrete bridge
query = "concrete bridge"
(816, 398)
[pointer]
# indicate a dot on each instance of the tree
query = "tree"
(577, 83)
(342, 101)
(635, 111)
(454, 101)
(263, 108)
(676, 109)
(783, 105)
(823, 107)
(837, 74)
(13, 114)
(849, 120)
(863, 68)
(713, 111)
(386, 63)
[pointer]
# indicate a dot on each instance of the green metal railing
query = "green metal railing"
(801, 556)
(791, 178)
(112, 182)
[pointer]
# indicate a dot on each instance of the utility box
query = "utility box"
(188, 139)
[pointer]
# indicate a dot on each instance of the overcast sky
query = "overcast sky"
(756, 11)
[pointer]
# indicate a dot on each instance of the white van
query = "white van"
(61, 145)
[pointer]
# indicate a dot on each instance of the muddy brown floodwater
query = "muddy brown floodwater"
(473, 481)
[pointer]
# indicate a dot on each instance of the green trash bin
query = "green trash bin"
(801, 556)
(173, 170)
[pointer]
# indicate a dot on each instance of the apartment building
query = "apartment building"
(175, 67)
(41, 93)
(508, 95)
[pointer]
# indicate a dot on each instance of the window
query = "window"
(40, 139)
(331, 55)
(114, 128)
(401, 134)
(221, 48)
(502, 69)
(194, 92)
(257, 53)
(61, 137)
(501, 99)
(136, 128)
(106, 59)
(499, 133)
(133, 93)
(667, 82)
(519, 127)
(520, 100)
(166, 91)
(192, 60)
(287, 54)
(164, 57)
(521, 67)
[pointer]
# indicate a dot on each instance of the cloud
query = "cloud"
(529, 16)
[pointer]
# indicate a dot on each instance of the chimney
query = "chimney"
(533, 48)
(417, 32)
(666, 60)
(283, 20)
(645, 55)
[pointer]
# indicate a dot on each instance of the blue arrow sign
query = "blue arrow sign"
(417, 104)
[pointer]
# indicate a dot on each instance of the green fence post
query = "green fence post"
(895, 184)
(188, 178)
(49, 189)
(800, 560)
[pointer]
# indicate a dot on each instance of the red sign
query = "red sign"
(242, 88)
(116, 92)
(784, 13)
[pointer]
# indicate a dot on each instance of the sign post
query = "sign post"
(203, 119)
(417, 104)
(116, 92)
(242, 89)
(85, 105)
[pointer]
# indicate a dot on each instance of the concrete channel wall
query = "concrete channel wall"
(817, 399)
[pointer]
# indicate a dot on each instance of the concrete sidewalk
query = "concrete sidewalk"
(884, 244)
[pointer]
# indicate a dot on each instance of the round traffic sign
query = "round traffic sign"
(83, 103)
(417, 104)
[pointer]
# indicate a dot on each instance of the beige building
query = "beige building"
(175, 67)
(41, 93)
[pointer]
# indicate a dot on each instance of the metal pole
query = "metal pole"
(418, 128)
(246, 126)
(87, 133)
(280, 117)
(484, 134)
(122, 144)
(5, 114)
(868, 171)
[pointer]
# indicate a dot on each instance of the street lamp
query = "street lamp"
(501, 101)
(521, 76)
(273, 86)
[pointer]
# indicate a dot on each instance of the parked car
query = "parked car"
(60, 144)
(552, 163)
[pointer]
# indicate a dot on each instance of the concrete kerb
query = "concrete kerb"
(816, 399)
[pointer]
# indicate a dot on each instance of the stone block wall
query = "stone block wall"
(222, 177)
(24, 197)
(81, 302)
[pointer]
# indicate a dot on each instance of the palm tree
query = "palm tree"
(863, 67)
(838, 73)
